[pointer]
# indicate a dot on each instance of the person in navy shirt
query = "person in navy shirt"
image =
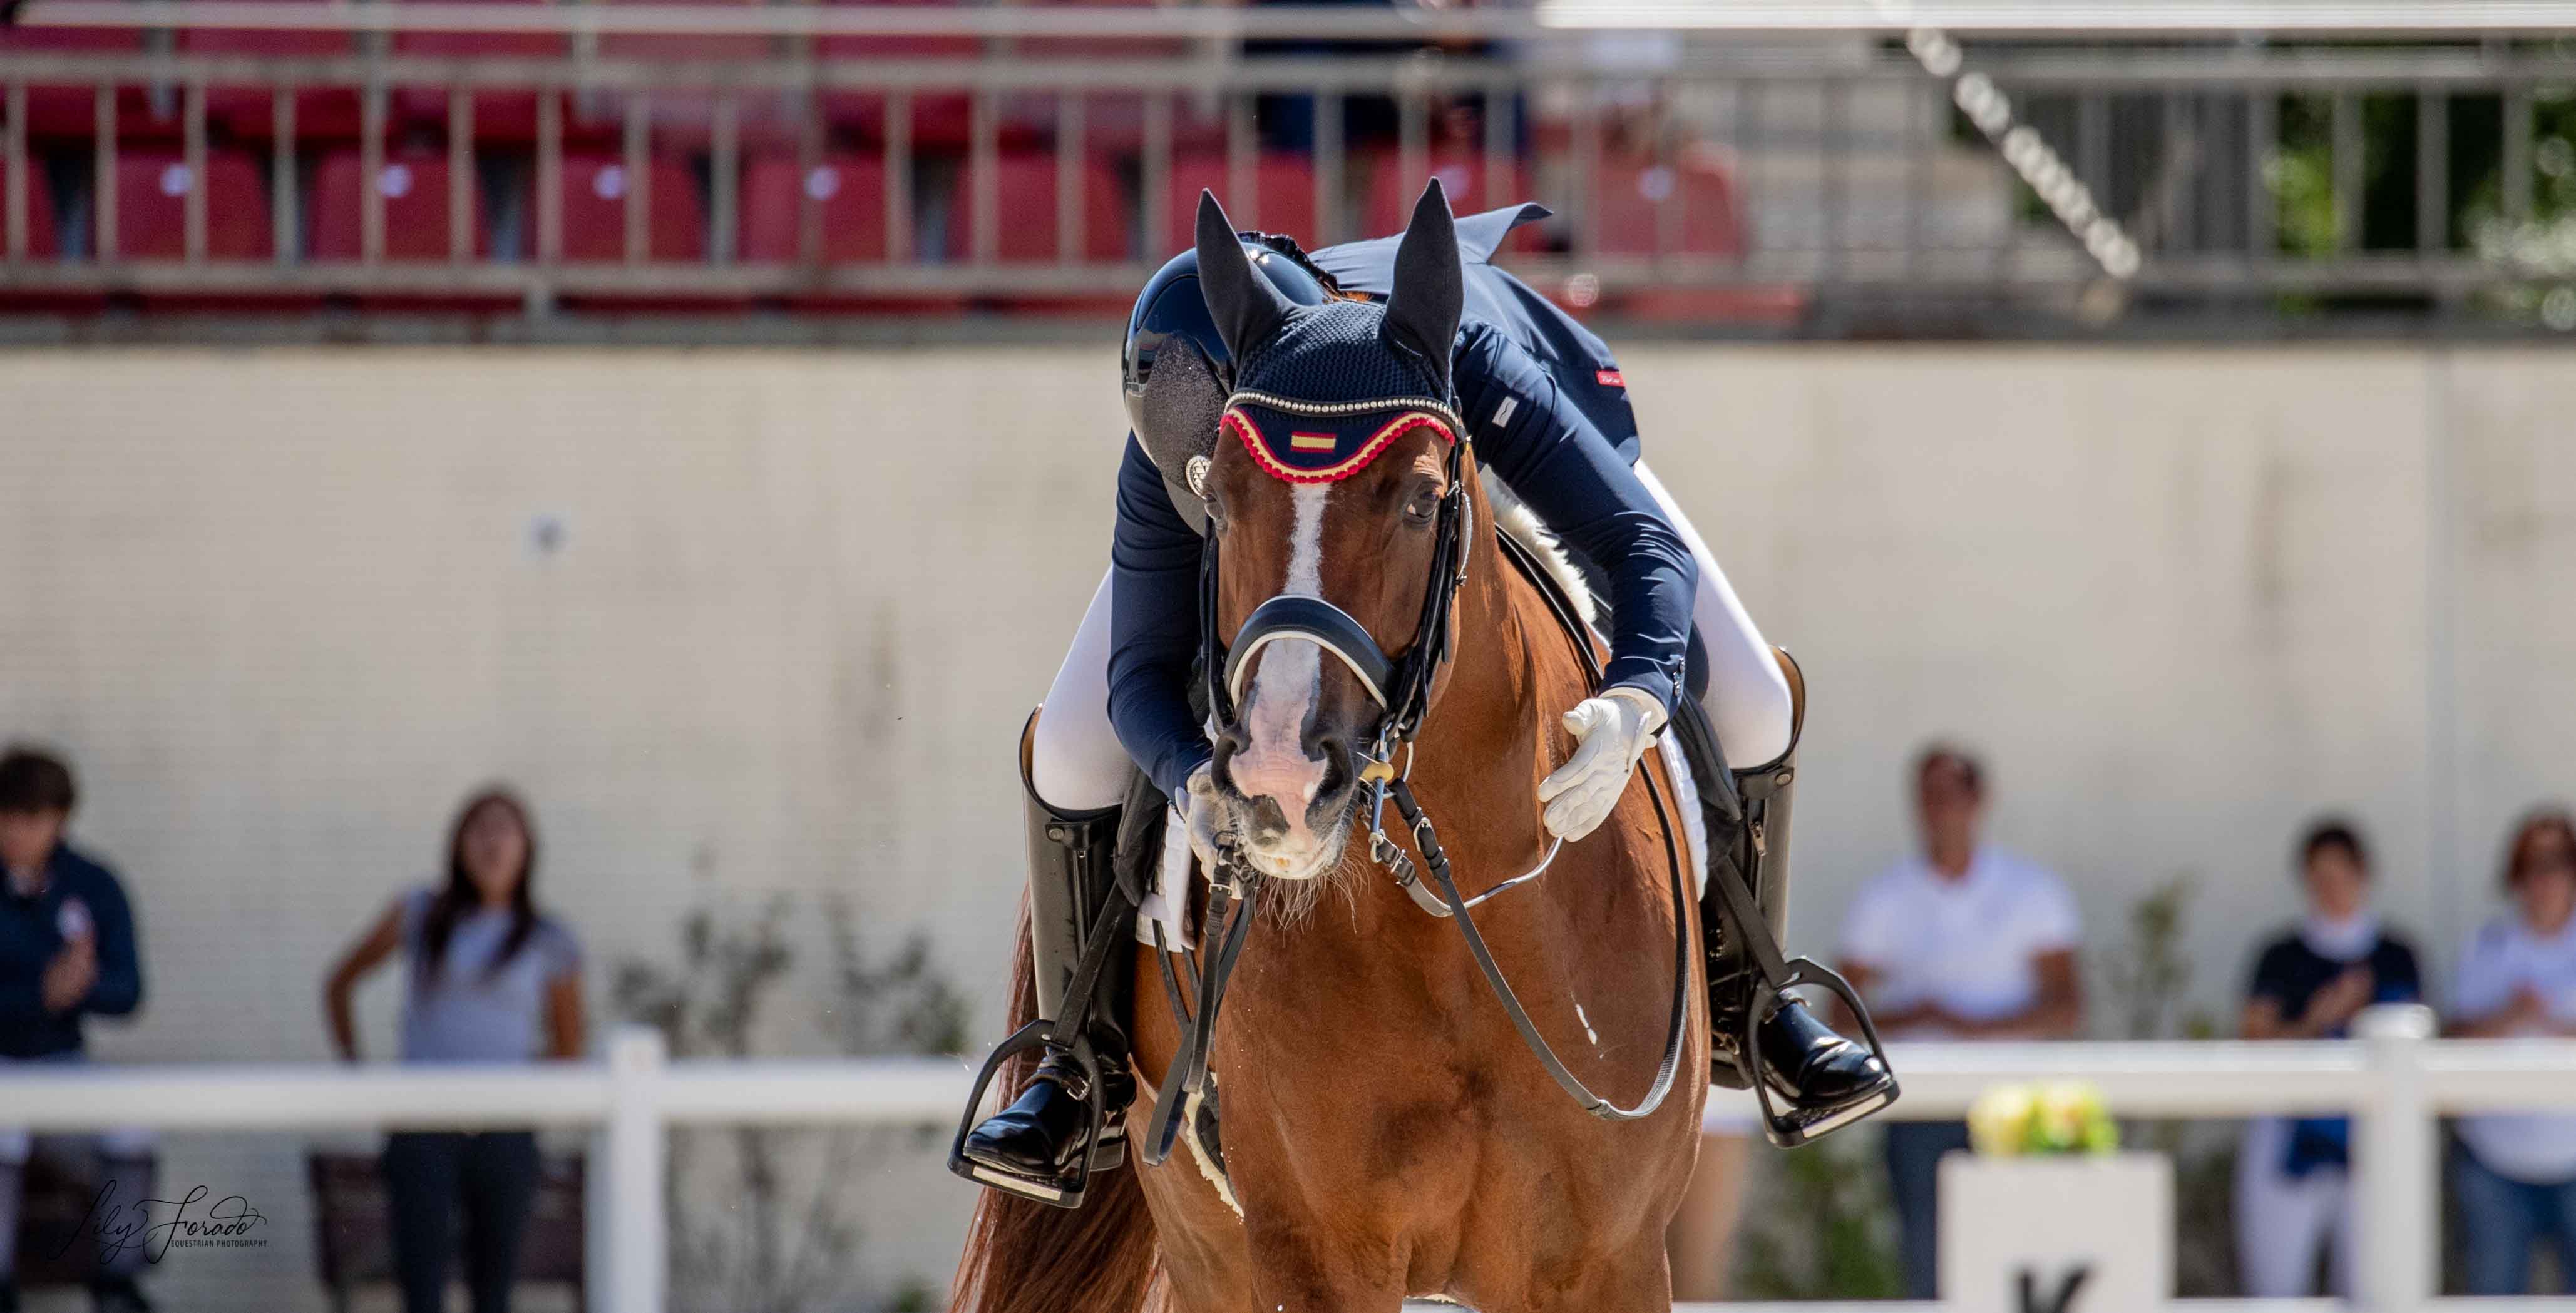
(1547, 408)
(2293, 1182)
(66, 952)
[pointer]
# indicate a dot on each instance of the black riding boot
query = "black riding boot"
(1032, 1147)
(1821, 1081)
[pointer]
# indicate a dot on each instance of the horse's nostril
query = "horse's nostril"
(1336, 773)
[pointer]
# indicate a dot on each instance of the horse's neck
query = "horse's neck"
(1509, 672)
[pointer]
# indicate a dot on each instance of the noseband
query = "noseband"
(1401, 686)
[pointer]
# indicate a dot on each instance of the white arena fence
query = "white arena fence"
(2396, 1081)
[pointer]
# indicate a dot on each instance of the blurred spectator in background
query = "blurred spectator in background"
(2517, 977)
(1965, 942)
(2291, 1183)
(491, 979)
(66, 948)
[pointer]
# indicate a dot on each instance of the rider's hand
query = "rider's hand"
(1204, 813)
(1611, 732)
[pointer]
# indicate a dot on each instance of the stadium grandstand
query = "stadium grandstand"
(1811, 169)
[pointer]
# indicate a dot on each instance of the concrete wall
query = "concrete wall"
(761, 623)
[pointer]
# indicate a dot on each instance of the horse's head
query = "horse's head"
(1336, 504)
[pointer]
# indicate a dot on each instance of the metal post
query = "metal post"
(1330, 157)
(625, 1194)
(1068, 177)
(192, 217)
(2262, 207)
(984, 177)
(1157, 179)
(2345, 121)
(1242, 168)
(2396, 1161)
(460, 174)
(1500, 190)
(1413, 140)
(103, 175)
(284, 225)
(550, 175)
(639, 188)
(2432, 171)
(371, 176)
(898, 177)
(809, 161)
(724, 170)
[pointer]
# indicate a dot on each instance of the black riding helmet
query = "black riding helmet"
(1177, 372)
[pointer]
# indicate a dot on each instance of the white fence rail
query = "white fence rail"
(2396, 1081)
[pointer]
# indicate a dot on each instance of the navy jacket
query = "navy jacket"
(30, 935)
(1548, 411)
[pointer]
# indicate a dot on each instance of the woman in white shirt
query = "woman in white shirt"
(2517, 1176)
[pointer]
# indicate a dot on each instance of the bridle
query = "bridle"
(1402, 687)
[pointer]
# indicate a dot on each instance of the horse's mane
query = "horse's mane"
(1514, 517)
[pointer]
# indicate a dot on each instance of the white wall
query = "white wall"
(285, 607)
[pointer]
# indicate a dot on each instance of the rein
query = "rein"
(1402, 689)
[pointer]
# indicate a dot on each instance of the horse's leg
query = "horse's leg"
(1205, 1268)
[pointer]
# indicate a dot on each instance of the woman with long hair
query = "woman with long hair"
(2517, 1171)
(491, 979)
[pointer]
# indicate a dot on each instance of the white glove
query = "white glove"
(1611, 732)
(1205, 815)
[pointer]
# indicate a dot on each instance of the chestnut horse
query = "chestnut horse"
(1386, 1131)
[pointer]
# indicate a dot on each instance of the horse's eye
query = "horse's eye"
(1425, 504)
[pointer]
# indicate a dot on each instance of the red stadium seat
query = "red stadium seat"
(152, 207)
(248, 112)
(41, 243)
(1698, 182)
(939, 118)
(498, 115)
(1391, 194)
(850, 190)
(594, 210)
(1025, 186)
(415, 192)
(1283, 185)
(57, 110)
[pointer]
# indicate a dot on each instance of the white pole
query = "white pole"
(2395, 1163)
(626, 1179)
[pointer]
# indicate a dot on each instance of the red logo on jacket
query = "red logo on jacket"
(1609, 378)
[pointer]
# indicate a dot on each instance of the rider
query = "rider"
(1549, 411)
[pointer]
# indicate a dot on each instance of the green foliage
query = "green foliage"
(760, 1218)
(2149, 977)
(1818, 1225)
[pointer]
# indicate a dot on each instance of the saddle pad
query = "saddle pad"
(1166, 901)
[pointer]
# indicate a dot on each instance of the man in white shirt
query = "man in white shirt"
(1964, 942)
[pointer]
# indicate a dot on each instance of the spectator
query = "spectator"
(2517, 977)
(2291, 1184)
(66, 948)
(491, 979)
(1965, 942)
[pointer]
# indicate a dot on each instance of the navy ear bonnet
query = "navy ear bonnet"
(1321, 390)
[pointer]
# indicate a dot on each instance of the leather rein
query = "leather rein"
(1401, 686)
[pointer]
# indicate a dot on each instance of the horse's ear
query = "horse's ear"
(1245, 306)
(1430, 285)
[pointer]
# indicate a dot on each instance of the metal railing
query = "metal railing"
(2395, 1080)
(1695, 177)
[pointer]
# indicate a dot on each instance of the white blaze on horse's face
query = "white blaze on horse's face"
(1274, 762)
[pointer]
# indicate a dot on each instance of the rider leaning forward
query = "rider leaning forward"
(1548, 409)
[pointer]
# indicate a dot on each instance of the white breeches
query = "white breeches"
(2282, 1219)
(1078, 764)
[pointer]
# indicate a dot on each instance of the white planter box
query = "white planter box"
(2108, 1217)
